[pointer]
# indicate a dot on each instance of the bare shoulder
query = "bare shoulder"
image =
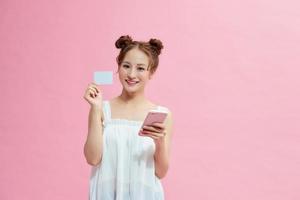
(112, 100)
(152, 105)
(169, 124)
(169, 117)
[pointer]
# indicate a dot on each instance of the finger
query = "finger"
(150, 128)
(93, 85)
(95, 92)
(88, 93)
(96, 88)
(151, 136)
(93, 89)
(92, 95)
(162, 134)
(91, 92)
(159, 126)
(155, 138)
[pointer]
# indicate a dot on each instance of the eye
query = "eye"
(126, 66)
(141, 69)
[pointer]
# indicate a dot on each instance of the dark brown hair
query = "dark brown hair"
(152, 49)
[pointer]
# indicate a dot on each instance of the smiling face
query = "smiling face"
(133, 72)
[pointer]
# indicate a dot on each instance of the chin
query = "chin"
(132, 90)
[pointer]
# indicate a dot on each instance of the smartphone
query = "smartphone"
(153, 117)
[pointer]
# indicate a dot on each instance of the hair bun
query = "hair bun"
(156, 45)
(123, 41)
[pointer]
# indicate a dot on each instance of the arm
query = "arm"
(94, 142)
(162, 152)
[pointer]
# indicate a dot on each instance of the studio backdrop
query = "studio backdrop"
(229, 72)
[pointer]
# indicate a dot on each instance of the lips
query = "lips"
(131, 82)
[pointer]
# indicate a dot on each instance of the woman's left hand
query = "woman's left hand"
(156, 131)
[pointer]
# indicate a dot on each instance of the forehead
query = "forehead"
(135, 56)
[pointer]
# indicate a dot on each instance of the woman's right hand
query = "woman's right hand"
(93, 95)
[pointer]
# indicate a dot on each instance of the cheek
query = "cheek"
(144, 78)
(121, 77)
(145, 75)
(121, 73)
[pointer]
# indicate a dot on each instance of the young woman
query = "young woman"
(128, 160)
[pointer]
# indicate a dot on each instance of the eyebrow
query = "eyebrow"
(137, 64)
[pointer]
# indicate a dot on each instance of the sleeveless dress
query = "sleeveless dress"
(127, 170)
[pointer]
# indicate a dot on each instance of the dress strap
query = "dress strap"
(162, 108)
(158, 108)
(106, 110)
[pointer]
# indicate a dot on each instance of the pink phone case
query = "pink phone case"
(153, 117)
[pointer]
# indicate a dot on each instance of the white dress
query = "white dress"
(127, 170)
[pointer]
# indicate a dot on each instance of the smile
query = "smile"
(131, 83)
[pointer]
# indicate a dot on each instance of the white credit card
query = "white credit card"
(103, 77)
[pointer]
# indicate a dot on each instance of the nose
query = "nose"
(131, 73)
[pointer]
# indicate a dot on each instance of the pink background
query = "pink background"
(229, 72)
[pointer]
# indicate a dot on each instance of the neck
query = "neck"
(132, 98)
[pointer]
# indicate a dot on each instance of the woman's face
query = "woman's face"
(133, 72)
